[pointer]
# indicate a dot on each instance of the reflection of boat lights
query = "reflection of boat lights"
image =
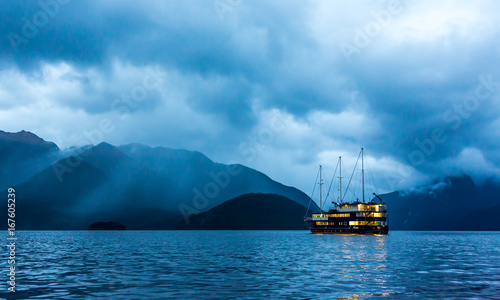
(357, 296)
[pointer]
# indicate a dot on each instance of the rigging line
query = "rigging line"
(324, 202)
(357, 188)
(371, 175)
(320, 188)
(374, 185)
(331, 183)
(355, 166)
(312, 194)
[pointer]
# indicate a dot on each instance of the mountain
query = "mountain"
(22, 155)
(456, 204)
(196, 178)
(139, 186)
(251, 212)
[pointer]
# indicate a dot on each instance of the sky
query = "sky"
(279, 86)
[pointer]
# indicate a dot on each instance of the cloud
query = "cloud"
(472, 162)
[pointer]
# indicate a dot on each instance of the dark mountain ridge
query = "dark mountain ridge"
(250, 212)
(22, 155)
(25, 137)
(459, 204)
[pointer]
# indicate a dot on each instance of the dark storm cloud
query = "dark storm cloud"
(248, 57)
(73, 31)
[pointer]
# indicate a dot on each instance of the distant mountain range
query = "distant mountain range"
(139, 186)
(161, 188)
(458, 204)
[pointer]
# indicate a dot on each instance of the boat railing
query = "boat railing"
(356, 209)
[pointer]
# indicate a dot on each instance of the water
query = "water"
(255, 264)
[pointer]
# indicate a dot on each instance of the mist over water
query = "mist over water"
(255, 264)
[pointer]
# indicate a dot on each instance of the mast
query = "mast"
(363, 174)
(320, 189)
(340, 179)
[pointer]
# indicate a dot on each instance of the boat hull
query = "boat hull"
(347, 229)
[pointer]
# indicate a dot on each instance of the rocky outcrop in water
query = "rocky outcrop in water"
(107, 226)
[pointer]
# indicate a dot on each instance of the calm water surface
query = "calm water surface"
(255, 264)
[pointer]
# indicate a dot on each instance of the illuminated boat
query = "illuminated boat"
(356, 217)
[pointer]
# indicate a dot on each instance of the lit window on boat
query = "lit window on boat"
(371, 215)
(339, 215)
(358, 223)
(322, 223)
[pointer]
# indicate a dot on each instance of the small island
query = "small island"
(107, 226)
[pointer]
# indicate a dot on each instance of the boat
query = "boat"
(357, 217)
